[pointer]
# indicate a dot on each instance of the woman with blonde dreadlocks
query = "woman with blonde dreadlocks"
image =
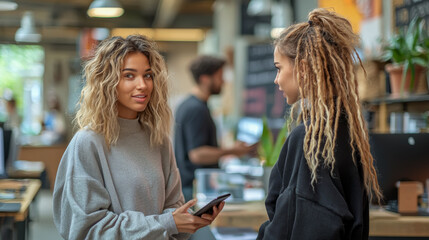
(322, 183)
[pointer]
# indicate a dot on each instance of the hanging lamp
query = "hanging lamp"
(8, 5)
(27, 32)
(105, 9)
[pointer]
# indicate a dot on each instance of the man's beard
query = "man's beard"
(214, 90)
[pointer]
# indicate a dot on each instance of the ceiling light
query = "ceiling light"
(275, 32)
(8, 5)
(105, 9)
(27, 32)
(259, 8)
(163, 34)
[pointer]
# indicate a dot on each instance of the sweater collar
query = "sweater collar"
(129, 125)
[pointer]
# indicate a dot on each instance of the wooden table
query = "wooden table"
(389, 224)
(21, 217)
(251, 214)
(49, 155)
(27, 169)
(382, 222)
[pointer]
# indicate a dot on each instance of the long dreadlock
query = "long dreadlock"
(323, 50)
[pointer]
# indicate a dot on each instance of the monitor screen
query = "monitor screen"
(11, 147)
(7, 141)
(249, 130)
(2, 154)
(400, 157)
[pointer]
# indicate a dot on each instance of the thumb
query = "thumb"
(184, 207)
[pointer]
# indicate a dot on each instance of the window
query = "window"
(21, 78)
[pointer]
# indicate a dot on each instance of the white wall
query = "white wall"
(56, 77)
(302, 8)
(178, 56)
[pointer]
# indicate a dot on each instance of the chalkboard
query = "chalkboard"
(410, 9)
(260, 68)
(248, 22)
(261, 95)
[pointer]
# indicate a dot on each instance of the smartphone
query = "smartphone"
(208, 208)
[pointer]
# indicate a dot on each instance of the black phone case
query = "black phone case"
(208, 208)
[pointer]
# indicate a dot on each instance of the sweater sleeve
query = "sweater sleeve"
(82, 204)
(173, 189)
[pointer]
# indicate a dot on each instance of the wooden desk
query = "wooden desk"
(21, 217)
(33, 186)
(49, 155)
(26, 169)
(251, 215)
(388, 224)
(382, 222)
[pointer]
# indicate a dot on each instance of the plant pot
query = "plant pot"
(395, 72)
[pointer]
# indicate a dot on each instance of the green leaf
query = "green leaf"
(413, 74)
(420, 61)
(404, 75)
(407, 48)
(266, 142)
(281, 138)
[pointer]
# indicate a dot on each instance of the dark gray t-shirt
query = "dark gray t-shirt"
(194, 127)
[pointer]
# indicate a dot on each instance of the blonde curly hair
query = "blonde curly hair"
(98, 101)
(323, 51)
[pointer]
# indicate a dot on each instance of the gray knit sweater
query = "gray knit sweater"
(127, 192)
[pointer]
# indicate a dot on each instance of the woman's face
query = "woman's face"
(286, 78)
(135, 86)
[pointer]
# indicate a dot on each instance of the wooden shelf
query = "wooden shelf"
(383, 106)
(407, 99)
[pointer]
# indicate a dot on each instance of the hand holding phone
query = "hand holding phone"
(208, 208)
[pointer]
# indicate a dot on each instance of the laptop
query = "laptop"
(249, 130)
(2, 156)
(212, 182)
(10, 207)
(10, 148)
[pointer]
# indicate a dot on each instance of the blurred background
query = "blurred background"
(43, 44)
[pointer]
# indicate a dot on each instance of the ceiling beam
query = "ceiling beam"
(166, 13)
(62, 20)
(148, 7)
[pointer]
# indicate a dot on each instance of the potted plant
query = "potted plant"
(408, 53)
(269, 150)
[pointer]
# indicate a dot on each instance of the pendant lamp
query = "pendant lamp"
(27, 32)
(105, 9)
(8, 5)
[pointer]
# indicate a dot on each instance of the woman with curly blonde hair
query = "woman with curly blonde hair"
(118, 178)
(322, 183)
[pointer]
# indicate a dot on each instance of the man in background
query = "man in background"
(195, 141)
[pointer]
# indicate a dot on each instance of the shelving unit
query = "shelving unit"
(403, 100)
(385, 105)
